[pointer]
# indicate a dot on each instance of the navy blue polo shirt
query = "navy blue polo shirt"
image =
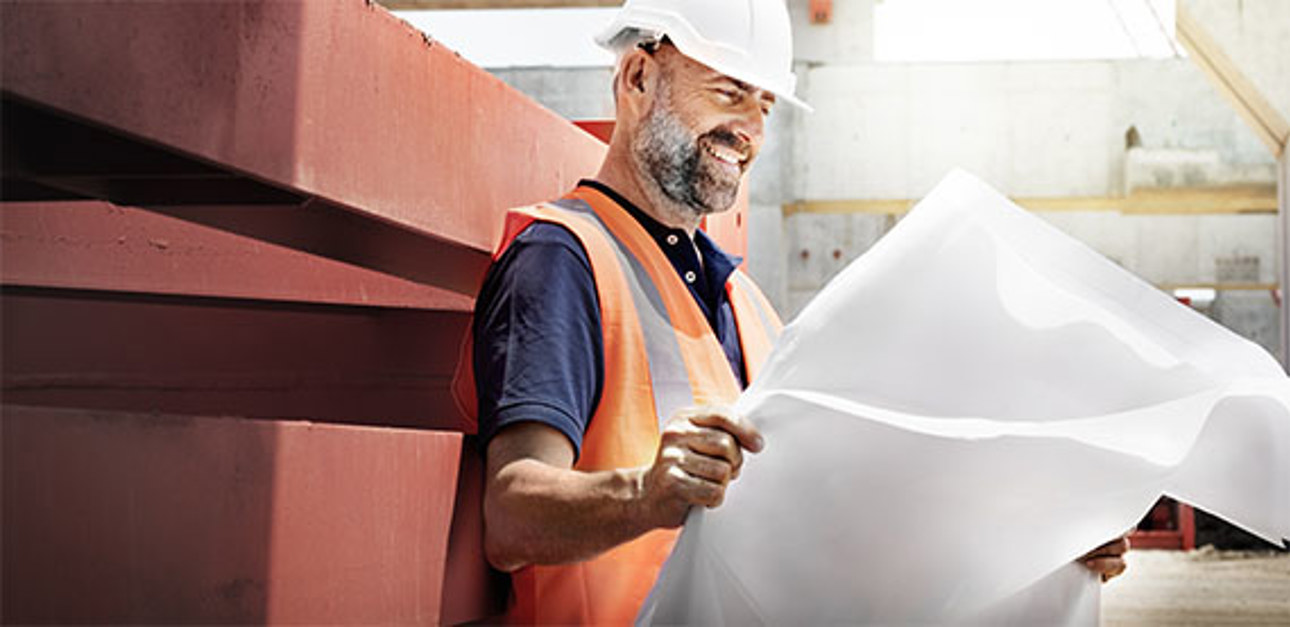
(539, 353)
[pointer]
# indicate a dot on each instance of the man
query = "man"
(610, 330)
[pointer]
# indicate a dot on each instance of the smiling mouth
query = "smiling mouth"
(726, 155)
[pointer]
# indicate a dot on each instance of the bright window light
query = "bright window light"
(1010, 30)
(500, 38)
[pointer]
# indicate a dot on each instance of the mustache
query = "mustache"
(728, 138)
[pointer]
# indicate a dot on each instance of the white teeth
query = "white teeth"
(724, 156)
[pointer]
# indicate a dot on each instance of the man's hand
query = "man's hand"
(700, 453)
(538, 510)
(1107, 560)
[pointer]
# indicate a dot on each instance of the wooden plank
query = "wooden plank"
(891, 206)
(1220, 287)
(164, 519)
(1203, 200)
(1235, 199)
(1270, 127)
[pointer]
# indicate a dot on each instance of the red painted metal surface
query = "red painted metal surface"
(600, 129)
(160, 519)
(1169, 525)
(1187, 524)
(474, 591)
(223, 357)
(339, 101)
(95, 245)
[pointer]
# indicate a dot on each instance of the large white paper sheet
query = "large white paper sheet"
(968, 407)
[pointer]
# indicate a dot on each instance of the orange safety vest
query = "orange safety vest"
(660, 355)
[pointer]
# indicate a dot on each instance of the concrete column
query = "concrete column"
(1282, 209)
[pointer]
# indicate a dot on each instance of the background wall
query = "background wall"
(1054, 130)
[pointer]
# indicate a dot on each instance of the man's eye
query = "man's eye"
(729, 95)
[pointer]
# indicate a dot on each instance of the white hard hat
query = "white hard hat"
(748, 40)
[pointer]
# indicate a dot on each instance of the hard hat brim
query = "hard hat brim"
(607, 38)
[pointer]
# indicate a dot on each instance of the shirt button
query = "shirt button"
(672, 239)
(690, 276)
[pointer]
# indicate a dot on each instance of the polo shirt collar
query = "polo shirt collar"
(718, 264)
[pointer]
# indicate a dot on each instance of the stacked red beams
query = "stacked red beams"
(319, 185)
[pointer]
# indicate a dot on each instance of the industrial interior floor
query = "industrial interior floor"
(1201, 587)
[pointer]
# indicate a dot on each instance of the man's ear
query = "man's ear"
(637, 76)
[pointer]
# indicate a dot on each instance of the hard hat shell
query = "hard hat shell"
(748, 40)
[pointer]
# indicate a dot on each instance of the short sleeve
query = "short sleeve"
(538, 348)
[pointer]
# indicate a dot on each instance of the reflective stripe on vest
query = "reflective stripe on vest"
(669, 380)
(660, 355)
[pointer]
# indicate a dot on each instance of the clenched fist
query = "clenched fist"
(700, 452)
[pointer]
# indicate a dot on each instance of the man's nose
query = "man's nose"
(750, 127)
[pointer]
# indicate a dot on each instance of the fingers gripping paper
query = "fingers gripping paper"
(967, 408)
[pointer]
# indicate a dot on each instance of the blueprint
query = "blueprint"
(968, 407)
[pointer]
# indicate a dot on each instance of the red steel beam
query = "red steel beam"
(95, 245)
(338, 101)
(104, 164)
(197, 356)
(131, 519)
(474, 592)
(600, 129)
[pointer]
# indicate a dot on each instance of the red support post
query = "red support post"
(1169, 525)
(1187, 526)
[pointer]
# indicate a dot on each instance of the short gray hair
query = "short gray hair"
(629, 38)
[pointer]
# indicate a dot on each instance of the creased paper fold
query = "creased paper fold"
(972, 404)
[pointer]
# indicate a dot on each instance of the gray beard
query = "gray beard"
(670, 155)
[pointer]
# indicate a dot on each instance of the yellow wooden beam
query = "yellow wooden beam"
(1230, 199)
(1165, 201)
(1219, 287)
(402, 5)
(1262, 117)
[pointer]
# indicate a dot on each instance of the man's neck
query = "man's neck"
(619, 175)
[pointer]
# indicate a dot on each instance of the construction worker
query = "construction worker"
(610, 331)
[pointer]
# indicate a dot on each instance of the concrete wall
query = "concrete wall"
(575, 93)
(1030, 129)
(1283, 192)
(1047, 129)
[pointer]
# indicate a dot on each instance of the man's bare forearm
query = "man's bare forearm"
(538, 510)
(537, 513)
